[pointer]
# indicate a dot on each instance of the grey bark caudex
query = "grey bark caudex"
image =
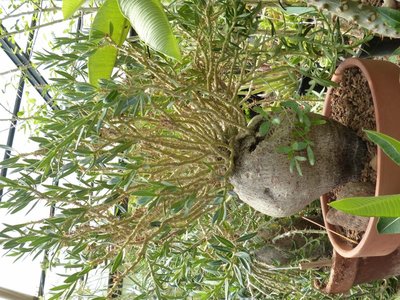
(262, 178)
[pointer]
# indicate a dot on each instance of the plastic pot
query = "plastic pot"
(383, 80)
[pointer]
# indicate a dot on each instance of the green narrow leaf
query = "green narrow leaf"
(310, 156)
(151, 24)
(56, 296)
(226, 283)
(292, 165)
(388, 144)
(224, 241)
(9, 161)
(243, 255)
(109, 21)
(389, 225)
(70, 6)
(298, 167)
(300, 158)
(246, 237)
(380, 206)
(60, 287)
(260, 111)
(117, 262)
(238, 274)
(298, 146)
(284, 149)
(264, 128)
(221, 248)
(217, 217)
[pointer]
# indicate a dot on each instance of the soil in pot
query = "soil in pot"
(352, 105)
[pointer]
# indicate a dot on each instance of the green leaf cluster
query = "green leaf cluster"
(111, 26)
(301, 149)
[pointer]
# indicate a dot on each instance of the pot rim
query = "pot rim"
(372, 243)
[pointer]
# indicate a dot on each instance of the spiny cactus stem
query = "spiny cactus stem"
(353, 11)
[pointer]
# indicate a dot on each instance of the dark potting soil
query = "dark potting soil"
(352, 106)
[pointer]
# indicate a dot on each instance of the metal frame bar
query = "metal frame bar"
(22, 60)
(8, 294)
(18, 100)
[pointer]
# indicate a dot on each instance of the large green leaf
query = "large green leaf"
(380, 206)
(389, 225)
(110, 21)
(70, 6)
(389, 145)
(150, 22)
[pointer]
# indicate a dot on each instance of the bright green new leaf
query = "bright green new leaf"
(380, 206)
(389, 145)
(150, 22)
(70, 6)
(110, 21)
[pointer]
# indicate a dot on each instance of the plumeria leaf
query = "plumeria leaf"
(70, 6)
(110, 22)
(380, 206)
(150, 22)
(388, 144)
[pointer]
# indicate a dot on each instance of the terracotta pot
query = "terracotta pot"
(346, 272)
(383, 80)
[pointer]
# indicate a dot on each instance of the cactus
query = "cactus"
(362, 14)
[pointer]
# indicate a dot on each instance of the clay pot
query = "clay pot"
(383, 79)
(346, 272)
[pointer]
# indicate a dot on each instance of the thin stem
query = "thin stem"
(37, 27)
(44, 10)
(294, 232)
(332, 231)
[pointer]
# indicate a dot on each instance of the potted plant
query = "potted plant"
(346, 272)
(383, 81)
(134, 167)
